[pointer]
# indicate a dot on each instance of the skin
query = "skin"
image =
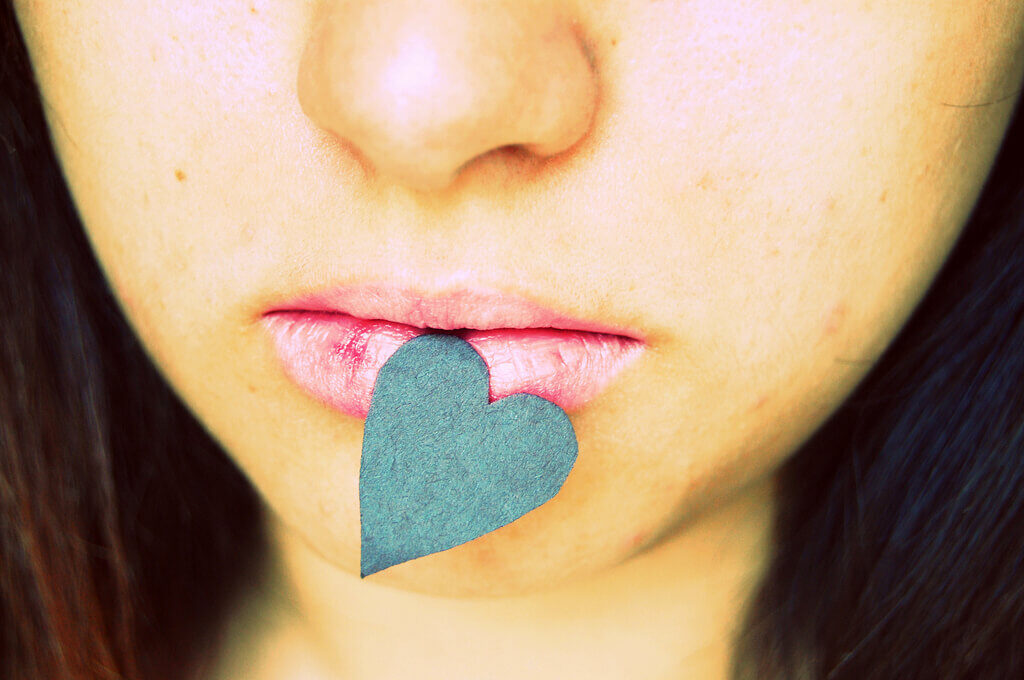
(764, 190)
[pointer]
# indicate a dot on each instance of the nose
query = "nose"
(421, 88)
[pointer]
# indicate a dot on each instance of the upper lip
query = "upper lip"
(462, 308)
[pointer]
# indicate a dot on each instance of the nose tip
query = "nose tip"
(421, 89)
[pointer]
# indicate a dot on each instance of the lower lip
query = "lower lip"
(336, 357)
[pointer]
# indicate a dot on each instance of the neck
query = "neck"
(671, 611)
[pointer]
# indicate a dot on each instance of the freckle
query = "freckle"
(883, 197)
(615, 41)
(706, 182)
(252, 10)
(180, 175)
(835, 319)
(759, 403)
(830, 204)
(248, 234)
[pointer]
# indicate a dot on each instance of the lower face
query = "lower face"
(765, 193)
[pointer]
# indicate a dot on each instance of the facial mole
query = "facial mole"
(180, 175)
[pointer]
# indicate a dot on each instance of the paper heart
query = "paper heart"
(441, 466)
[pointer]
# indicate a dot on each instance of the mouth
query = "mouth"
(333, 344)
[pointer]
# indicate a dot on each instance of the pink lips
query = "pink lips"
(333, 344)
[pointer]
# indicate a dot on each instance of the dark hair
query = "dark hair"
(126, 534)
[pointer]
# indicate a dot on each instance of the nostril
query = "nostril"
(503, 164)
(510, 156)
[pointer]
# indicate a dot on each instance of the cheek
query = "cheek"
(793, 209)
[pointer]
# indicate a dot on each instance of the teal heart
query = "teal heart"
(441, 466)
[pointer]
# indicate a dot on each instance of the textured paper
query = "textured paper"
(440, 465)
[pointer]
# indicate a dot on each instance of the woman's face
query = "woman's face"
(759, 191)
